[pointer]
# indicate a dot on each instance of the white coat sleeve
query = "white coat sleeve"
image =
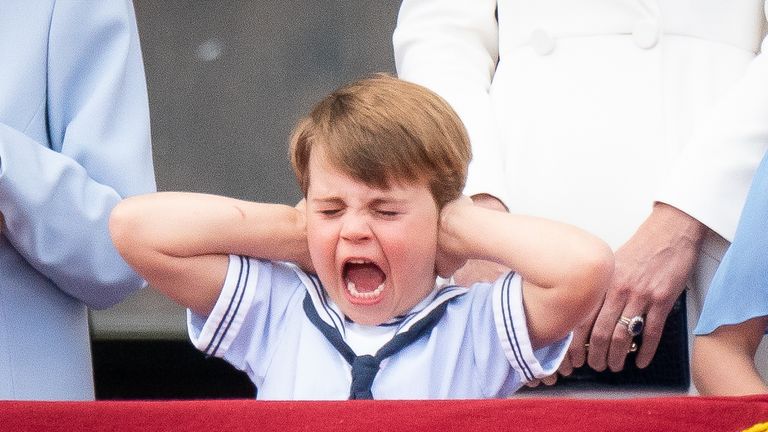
(711, 177)
(56, 197)
(451, 47)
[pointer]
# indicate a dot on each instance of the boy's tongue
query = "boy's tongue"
(366, 277)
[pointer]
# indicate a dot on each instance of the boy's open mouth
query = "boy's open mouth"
(365, 280)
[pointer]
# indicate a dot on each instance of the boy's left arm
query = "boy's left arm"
(565, 270)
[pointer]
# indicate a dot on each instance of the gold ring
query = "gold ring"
(632, 348)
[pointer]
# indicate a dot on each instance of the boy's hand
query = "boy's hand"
(450, 252)
(547, 381)
(475, 271)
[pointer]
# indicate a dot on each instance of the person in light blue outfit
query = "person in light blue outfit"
(74, 140)
(735, 314)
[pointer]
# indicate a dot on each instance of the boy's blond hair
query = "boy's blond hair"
(381, 130)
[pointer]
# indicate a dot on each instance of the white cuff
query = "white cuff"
(214, 334)
(512, 329)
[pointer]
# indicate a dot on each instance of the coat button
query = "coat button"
(646, 34)
(542, 42)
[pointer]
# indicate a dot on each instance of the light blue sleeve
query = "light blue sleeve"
(258, 301)
(739, 290)
(512, 329)
(87, 147)
(504, 354)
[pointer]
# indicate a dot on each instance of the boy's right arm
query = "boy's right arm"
(180, 242)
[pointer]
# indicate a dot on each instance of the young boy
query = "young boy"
(382, 164)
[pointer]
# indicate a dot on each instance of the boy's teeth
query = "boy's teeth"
(355, 293)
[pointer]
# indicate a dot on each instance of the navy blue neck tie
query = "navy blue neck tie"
(365, 367)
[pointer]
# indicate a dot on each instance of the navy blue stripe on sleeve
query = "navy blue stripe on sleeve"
(237, 307)
(509, 326)
(239, 289)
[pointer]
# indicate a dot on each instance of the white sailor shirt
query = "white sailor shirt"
(480, 348)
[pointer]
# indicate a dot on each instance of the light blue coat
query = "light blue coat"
(74, 139)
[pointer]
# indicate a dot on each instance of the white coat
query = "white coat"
(589, 111)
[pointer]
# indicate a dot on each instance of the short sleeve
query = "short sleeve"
(512, 330)
(250, 314)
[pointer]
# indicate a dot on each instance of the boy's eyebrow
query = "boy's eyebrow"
(387, 200)
(329, 200)
(373, 203)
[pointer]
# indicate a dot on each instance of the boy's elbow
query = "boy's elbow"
(125, 228)
(584, 289)
(118, 226)
(594, 274)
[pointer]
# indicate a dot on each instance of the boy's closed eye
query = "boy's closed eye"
(330, 212)
(386, 213)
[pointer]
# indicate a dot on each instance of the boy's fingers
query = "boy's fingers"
(550, 380)
(533, 383)
(547, 381)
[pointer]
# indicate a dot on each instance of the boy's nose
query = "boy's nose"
(355, 228)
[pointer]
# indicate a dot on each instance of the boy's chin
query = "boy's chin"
(369, 319)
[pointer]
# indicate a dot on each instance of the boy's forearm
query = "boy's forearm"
(188, 224)
(179, 241)
(545, 253)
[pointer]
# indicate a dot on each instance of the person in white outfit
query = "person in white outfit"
(641, 121)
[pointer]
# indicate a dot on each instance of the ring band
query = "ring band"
(634, 325)
(632, 348)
